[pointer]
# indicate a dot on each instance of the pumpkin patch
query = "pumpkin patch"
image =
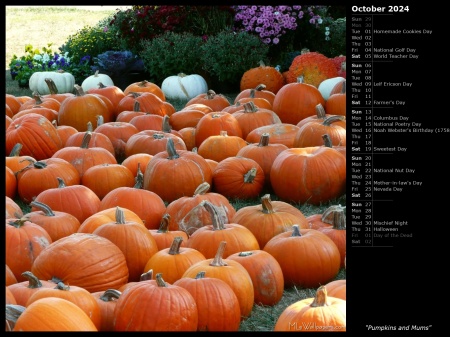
(177, 193)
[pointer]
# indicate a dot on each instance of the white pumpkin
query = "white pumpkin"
(64, 82)
(184, 87)
(327, 85)
(93, 81)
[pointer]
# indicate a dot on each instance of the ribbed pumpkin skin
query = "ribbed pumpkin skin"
(296, 101)
(87, 260)
(218, 306)
(78, 200)
(269, 76)
(77, 295)
(146, 204)
(306, 316)
(54, 314)
(145, 306)
(134, 240)
(176, 174)
(79, 110)
(266, 274)
(269, 219)
(36, 133)
(323, 175)
(337, 288)
(313, 260)
(24, 242)
(43, 175)
(283, 133)
(235, 275)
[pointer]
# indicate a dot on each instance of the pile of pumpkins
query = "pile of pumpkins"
(131, 204)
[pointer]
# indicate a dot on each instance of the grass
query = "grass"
(33, 26)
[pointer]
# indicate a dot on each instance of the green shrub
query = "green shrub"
(91, 41)
(170, 54)
(228, 55)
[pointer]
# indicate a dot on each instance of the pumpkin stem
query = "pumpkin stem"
(327, 140)
(110, 295)
(100, 120)
(101, 85)
(43, 207)
(136, 106)
(139, 180)
(217, 222)
(339, 221)
(170, 147)
(250, 175)
(320, 300)
(264, 140)
(296, 230)
(166, 127)
(245, 254)
(79, 90)
(210, 94)
(33, 281)
(89, 126)
(202, 189)
(164, 224)
(328, 121)
(175, 246)
(13, 312)
(86, 139)
(62, 286)
(328, 215)
(18, 223)
(200, 274)
(223, 133)
(52, 88)
(320, 111)
(260, 87)
(160, 281)
(218, 261)
(250, 107)
(266, 203)
(15, 151)
(120, 216)
(61, 183)
(146, 276)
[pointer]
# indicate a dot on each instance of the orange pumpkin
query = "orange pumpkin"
(135, 308)
(323, 175)
(269, 218)
(314, 314)
(238, 177)
(296, 101)
(221, 146)
(212, 123)
(23, 290)
(57, 224)
(77, 295)
(78, 200)
(77, 111)
(66, 260)
(66, 316)
(37, 135)
(164, 237)
(218, 305)
(146, 204)
(174, 260)
(232, 273)
(266, 274)
(24, 242)
(172, 174)
(217, 102)
(313, 257)
(143, 87)
(188, 214)
(207, 238)
(134, 240)
(267, 75)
